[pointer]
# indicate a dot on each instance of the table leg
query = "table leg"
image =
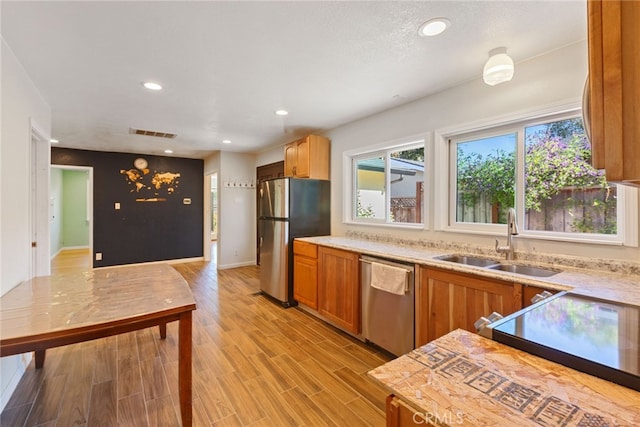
(163, 330)
(39, 355)
(184, 368)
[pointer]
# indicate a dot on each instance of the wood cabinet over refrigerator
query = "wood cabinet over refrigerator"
(307, 158)
(612, 101)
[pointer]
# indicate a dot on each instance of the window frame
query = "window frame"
(475, 227)
(381, 150)
(445, 169)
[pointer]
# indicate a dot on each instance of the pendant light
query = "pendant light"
(499, 67)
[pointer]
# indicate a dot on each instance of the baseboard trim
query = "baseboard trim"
(167, 261)
(68, 248)
(22, 363)
(236, 265)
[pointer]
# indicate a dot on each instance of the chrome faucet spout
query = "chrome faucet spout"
(512, 230)
(512, 225)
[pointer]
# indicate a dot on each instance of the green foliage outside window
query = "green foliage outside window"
(557, 161)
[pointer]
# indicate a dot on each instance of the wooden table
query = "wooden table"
(53, 311)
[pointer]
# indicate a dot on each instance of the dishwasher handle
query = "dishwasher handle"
(369, 260)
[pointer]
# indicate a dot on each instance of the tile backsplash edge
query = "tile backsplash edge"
(601, 264)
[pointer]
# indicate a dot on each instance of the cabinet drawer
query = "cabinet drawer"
(305, 249)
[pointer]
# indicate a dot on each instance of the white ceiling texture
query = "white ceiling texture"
(226, 66)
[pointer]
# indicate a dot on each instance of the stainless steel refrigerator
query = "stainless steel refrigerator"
(289, 208)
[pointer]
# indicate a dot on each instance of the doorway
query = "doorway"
(38, 204)
(211, 216)
(71, 214)
(214, 207)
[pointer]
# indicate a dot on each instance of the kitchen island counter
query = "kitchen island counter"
(465, 379)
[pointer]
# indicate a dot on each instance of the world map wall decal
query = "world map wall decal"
(150, 186)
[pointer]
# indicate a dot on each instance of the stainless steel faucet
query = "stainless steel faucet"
(512, 230)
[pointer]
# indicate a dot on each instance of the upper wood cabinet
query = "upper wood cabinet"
(307, 158)
(613, 104)
(446, 301)
(339, 288)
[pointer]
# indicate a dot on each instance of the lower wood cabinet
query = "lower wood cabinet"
(305, 273)
(339, 287)
(446, 301)
(399, 414)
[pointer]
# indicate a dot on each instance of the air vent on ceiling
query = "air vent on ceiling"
(152, 133)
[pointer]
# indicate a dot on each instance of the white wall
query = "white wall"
(22, 105)
(555, 78)
(236, 208)
(271, 155)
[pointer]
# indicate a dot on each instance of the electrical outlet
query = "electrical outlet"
(98, 256)
(117, 205)
(236, 253)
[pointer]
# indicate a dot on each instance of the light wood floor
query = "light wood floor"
(71, 260)
(254, 364)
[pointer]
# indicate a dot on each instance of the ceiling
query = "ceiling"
(227, 66)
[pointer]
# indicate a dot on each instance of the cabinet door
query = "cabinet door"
(614, 83)
(339, 287)
(303, 151)
(399, 414)
(305, 281)
(290, 158)
(449, 301)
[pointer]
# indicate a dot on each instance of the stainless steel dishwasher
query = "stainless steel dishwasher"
(387, 318)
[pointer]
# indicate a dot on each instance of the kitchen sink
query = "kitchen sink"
(469, 260)
(524, 269)
(497, 265)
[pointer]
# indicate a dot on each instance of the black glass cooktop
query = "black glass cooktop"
(591, 335)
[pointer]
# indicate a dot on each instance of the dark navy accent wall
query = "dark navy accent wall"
(143, 229)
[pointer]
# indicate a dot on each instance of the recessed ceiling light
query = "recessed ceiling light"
(168, 151)
(433, 27)
(226, 141)
(281, 112)
(53, 141)
(152, 86)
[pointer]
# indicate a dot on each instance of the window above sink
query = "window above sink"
(538, 163)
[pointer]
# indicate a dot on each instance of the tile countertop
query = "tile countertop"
(606, 285)
(465, 379)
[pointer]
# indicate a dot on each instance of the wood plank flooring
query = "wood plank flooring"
(254, 364)
(70, 260)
